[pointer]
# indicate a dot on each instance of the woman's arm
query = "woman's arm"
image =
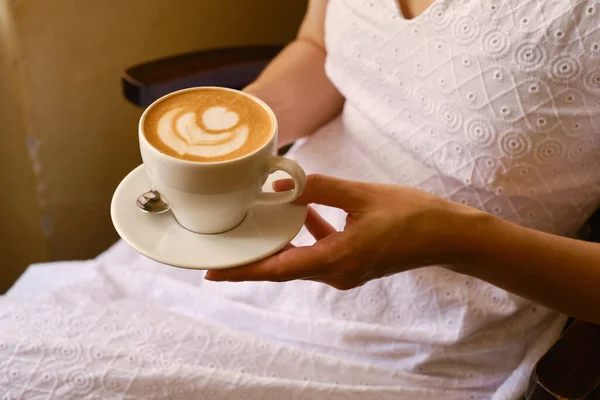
(391, 229)
(294, 84)
(561, 273)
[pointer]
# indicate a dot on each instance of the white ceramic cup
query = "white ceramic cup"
(214, 197)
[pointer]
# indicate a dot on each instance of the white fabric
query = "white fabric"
(490, 103)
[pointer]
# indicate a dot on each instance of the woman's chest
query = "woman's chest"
(516, 82)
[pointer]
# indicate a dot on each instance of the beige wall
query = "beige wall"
(68, 136)
(20, 236)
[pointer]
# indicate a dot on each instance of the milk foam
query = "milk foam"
(180, 131)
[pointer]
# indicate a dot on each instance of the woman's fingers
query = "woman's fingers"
(295, 263)
(329, 191)
(316, 225)
(320, 261)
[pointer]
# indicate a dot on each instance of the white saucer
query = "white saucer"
(266, 230)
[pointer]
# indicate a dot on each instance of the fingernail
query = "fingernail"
(283, 185)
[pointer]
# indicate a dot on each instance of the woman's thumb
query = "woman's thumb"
(326, 190)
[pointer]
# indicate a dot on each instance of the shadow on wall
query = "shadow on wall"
(68, 136)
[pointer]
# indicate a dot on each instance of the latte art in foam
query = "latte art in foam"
(208, 125)
(220, 132)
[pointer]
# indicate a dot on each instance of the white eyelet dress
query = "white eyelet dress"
(493, 103)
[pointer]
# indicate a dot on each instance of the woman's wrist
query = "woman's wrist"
(467, 240)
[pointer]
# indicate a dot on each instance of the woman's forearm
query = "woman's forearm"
(295, 86)
(558, 272)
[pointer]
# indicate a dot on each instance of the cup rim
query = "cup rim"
(197, 88)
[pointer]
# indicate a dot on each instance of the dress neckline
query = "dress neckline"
(400, 14)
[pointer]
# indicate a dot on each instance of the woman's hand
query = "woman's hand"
(389, 229)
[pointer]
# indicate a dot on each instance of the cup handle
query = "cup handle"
(294, 170)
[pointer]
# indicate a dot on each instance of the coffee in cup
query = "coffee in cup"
(207, 125)
(208, 151)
